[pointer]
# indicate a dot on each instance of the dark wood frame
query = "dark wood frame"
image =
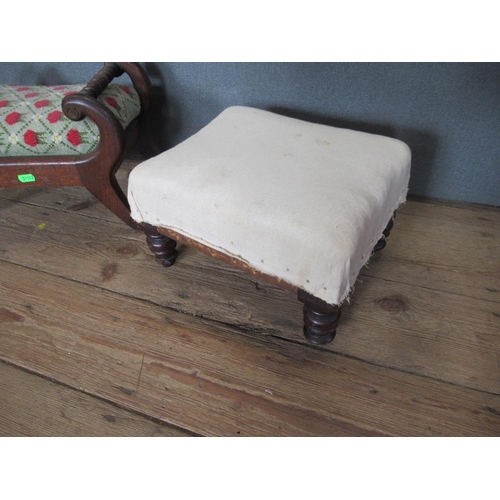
(95, 170)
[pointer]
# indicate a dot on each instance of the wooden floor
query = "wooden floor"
(97, 339)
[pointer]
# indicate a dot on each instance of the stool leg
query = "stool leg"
(162, 247)
(382, 242)
(320, 319)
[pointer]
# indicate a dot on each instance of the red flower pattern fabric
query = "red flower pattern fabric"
(74, 137)
(31, 138)
(32, 122)
(12, 118)
(111, 101)
(54, 117)
(41, 104)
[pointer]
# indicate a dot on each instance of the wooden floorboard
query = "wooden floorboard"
(34, 406)
(409, 326)
(209, 349)
(213, 379)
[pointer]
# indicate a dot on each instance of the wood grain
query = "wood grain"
(447, 210)
(412, 328)
(443, 255)
(211, 379)
(35, 406)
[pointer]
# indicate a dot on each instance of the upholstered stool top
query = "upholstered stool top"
(32, 122)
(302, 202)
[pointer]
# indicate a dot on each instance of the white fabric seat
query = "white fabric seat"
(302, 202)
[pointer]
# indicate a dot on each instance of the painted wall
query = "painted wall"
(449, 114)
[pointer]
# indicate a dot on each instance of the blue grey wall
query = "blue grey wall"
(449, 114)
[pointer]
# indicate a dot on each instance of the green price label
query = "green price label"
(26, 178)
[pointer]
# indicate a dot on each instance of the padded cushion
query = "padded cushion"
(299, 201)
(32, 122)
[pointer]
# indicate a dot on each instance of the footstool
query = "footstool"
(298, 204)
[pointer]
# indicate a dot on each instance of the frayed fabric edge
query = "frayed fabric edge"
(402, 200)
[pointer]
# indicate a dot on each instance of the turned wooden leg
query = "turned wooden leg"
(162, 247)
(382, 242)
(320, 319)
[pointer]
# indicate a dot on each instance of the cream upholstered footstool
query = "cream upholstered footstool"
(299, 204)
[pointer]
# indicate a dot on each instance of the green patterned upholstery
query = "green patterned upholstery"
(32, 122)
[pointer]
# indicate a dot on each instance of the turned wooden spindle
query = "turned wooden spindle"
(162, 247)
(320, 319)
(382, 242)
